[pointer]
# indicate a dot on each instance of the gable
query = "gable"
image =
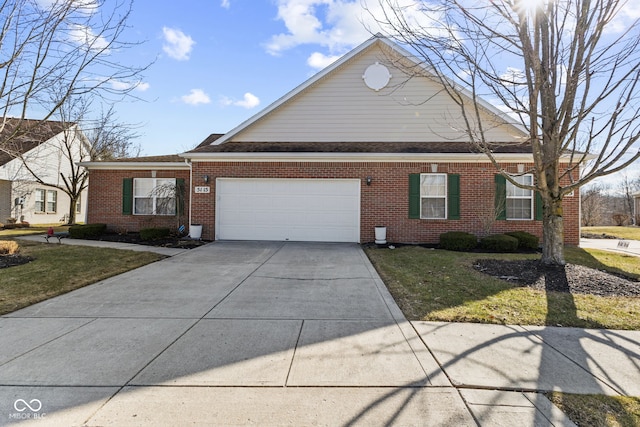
(339, 107)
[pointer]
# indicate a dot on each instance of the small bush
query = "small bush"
(526, 240)
(499, 243)
(154, 233)
(9, 247)
(85, 231)
(458, 241)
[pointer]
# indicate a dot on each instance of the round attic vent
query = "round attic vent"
(376, 76)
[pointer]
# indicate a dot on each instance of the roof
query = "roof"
(20, 136)
(167, 162)
(149, 159)
(355, 147)
(376, 39)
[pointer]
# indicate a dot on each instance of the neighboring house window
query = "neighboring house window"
(434, 196)
(52, 201)
(519, 201)
(79, 204)
(154, 196)
(40, 200)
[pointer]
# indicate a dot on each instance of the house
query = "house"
(636, 208)
(358, 145)
(43, 148)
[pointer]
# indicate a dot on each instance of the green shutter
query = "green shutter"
(501, 197)
(180, 196)
(538, 207)
(453, 196)
(127, 196)
(414, 196)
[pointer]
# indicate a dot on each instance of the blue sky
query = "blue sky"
(218, 62)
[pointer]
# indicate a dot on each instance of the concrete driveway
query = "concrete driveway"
(229, 333)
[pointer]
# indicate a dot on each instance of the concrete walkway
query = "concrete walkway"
(271, 333)
(630, 247)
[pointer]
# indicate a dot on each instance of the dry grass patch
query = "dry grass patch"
(9, 247)
(57, 269)
(599, 411)
(630, 232)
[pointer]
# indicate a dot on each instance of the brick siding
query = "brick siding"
(384, 202)
(105, 201)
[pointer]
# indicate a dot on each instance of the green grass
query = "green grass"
(598, 410)
(630, 232)
(58, 269)
(438, 285)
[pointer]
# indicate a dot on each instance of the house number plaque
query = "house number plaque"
(202, 190)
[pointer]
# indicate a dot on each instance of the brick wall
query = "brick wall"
(105, 200)
(384, 202)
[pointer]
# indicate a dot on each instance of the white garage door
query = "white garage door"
(313, 210)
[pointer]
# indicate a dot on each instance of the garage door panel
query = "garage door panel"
(288, 209)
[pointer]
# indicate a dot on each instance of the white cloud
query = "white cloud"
(319, 61)
(177, 44)
(196, 97)
(124, 86)
(83, 35)
(225, 4)
(85, 6)
(249, 101)
(337, 25)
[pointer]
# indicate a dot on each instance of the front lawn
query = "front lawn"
(57, 269)
(438, 285)
(630, 232)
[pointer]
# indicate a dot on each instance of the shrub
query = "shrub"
(458, 241)
(88, 230)
(525, 240)
(9, 247)
(154, 233)
(499, 243)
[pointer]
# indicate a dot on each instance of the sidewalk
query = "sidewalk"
(102, 244)
(612, 245)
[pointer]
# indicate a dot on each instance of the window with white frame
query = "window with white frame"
(433, 196)
(520, 200)
(79, 204)
(40, 196)
(52, 201)
(154, 196)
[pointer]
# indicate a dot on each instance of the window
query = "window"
(79, 204)
(52, 201)
(519, 202)
(433, 196)
(154, 196)
(40, 196)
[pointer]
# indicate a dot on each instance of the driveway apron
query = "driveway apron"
(268, 333)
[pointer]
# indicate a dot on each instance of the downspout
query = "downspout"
(188, 163)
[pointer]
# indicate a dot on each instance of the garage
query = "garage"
(311, 210)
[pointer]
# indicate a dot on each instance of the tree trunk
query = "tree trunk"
(72, 210)
(553, 233)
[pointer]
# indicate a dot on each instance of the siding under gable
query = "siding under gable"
(340, 107)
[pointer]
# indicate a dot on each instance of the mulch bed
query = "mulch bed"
(13, 260)
(169, 242)
(572, 278)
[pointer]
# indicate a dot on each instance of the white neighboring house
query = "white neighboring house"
(50, 153)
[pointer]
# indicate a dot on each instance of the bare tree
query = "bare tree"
(627, 188)
(82, 139)
(567, 71)
(53, 50)
(594, 204)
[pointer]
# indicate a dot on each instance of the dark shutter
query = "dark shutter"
(414, 196)
(453, 196)
(538, 207)
(501, 197)
(180, 196)
(127, 196)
